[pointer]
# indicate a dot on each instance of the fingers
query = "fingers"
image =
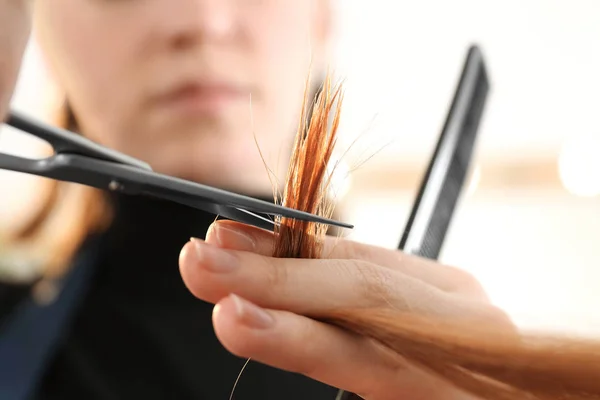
(234, 235)
(301, 286)
(320, 351)
(276, 325)
(311, 287)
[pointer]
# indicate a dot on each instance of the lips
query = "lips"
(202, 97)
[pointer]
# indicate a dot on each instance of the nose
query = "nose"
(184, 22)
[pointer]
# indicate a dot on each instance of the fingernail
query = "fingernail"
(213, 258)
(252, 315)
(230, 237)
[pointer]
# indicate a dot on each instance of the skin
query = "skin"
(111, 59)
(262, 303)
(15, 21)
(119, 61)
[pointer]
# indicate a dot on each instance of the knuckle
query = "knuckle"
(361, 251)
(467, 284)
(501, 319)
(473, 311)
(356, 251)
(376, 284)
(346, 249)
(309, 362)
(276, 275)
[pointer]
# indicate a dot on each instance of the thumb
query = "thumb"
(237, 236)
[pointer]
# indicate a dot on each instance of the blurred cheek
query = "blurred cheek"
(284, 50)
(14, 31)
(94, 66)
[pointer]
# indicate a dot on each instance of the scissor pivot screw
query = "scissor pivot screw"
(114, 185)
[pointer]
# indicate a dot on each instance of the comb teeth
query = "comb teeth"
(455, 177)
(440, 221)
(443, 182)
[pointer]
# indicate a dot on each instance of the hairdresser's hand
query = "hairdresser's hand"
(235, 260)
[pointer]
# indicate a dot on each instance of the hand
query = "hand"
(263, 304)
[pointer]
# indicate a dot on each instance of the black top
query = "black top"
(140, 334)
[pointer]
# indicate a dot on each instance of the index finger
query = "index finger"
(238, 236)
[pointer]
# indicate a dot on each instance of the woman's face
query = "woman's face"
(186, 85)
(14, 32)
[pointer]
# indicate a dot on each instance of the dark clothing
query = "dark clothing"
(140, 334)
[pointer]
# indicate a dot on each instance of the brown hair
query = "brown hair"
(68, 214)
(487, 360)
(307, 184)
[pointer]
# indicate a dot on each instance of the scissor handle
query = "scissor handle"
(22, 164)
(64, 141)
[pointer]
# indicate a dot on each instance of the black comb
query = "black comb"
(444, 178)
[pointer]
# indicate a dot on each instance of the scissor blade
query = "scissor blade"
(231, 205)
(239, 215)
(132, 180)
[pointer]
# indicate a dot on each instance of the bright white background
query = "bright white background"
(534, 247)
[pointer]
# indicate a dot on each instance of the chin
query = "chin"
(218, 153)
(243, 178)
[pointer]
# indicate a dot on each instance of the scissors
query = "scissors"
(79, 160)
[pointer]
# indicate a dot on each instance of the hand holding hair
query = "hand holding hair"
(288, 283)
(371, 321)
(275, 315)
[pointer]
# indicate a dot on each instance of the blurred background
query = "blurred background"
(529, 223)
